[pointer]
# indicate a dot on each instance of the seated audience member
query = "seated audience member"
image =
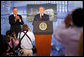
(70, 37)
(12, 36)
(12, 43)
(26, 44)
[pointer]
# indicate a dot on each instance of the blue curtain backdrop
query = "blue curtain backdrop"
(63, 8)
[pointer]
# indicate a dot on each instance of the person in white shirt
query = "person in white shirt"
(26, 44)
(70, 35)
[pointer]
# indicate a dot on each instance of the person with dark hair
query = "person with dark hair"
(69, 34)
(77, 17)
(15, 20)
(26, 38)
(8, 33)
(12, 42)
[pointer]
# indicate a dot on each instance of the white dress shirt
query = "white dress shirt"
(41, 15)
(25, 42)
(68, 37)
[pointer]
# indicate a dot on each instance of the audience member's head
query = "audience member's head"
(77, 17)
(25, 27)
(41, 10)
(13, 33)
(8, 33)
(15, 11)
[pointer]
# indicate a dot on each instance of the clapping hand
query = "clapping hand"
(68, 21)
(17, 18)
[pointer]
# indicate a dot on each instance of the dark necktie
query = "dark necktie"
(41, 18)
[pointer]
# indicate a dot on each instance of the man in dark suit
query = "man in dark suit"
(15, 20)
(41, 16)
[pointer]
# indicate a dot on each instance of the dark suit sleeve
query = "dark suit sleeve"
(48, 18)
(35, 18)
(21, 20)
(11, 20)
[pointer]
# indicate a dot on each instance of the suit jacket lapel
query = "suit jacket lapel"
(39, 17)
(43, 17)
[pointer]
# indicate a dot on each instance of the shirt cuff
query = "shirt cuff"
(19, 20)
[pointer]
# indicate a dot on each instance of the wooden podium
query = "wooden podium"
(43, 34)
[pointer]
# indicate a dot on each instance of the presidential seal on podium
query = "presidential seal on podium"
(42, 26)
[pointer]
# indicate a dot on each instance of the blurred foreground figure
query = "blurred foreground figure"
(69, 32)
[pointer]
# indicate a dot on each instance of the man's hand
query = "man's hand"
(17, 18)
(68, 21)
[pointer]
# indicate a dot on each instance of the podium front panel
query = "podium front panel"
(43, 44)
(48, 30)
